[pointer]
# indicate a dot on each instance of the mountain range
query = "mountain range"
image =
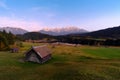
(52, 31)
(13, 30)
(63, 31)
(113, 32)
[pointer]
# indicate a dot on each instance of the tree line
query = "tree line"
(74, 39)
(6, 39)
(89, 40)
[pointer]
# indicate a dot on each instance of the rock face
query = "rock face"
(63, 31)
(13, 30)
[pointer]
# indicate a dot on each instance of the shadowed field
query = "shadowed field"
(67, 63)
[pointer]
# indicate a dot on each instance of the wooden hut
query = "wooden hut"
(15, 50)
(38, 54)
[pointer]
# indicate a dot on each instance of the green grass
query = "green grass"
(103, 52)
(67, 63)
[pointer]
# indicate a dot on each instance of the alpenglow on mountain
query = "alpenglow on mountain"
(62, 31)
(13, 30)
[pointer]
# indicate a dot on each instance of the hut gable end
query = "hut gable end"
(33, 57)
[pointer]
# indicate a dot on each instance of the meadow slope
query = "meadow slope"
(67, 63)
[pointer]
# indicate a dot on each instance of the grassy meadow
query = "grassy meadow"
(67, 63)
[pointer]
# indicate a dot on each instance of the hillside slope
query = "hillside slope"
(34, 36)
(105, 33)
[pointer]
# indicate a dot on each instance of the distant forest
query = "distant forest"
(106, 37)
(89, 40)
(84, 40)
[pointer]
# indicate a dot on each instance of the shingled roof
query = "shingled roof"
(42, 51)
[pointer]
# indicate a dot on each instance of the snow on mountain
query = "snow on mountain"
(50, 31)
(62, 31)
(13, 30)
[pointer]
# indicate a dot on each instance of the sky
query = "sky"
(34, 15)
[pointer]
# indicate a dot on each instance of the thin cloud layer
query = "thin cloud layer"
(28, 25)
(3, 5)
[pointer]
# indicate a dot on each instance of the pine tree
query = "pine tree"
(11, 38)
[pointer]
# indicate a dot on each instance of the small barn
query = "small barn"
(38, 54)
(15, 50)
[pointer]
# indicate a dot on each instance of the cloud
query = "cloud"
(3, 5)
(27, 25)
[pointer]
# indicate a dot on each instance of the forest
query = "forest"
(6, 40)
